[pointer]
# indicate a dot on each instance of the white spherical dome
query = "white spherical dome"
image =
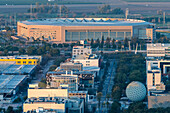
(136, 91)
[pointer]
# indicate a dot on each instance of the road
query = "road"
(108, 84)
(45, 69)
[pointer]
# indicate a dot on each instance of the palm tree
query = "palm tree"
(99, 95)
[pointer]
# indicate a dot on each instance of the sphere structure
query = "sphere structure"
(136, 91)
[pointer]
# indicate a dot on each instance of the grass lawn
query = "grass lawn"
(147, 0)
(28, 2)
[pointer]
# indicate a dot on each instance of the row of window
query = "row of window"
(24, 62)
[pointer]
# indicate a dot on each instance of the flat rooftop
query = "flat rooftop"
(75, 73)
(18, 69)
(86, 22)
(20, 57)
(9, 82)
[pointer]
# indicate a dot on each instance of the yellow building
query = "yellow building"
(22, 60)
(73, 29)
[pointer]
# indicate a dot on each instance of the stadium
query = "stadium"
(63, 30)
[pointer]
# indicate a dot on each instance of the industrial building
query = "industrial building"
(21, 60)
(9, 87)
(62, 30)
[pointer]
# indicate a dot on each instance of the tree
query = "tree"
(21, 51)
(54, 52)
(31, 51)
(98, 42)
(92, 43)
(9, 109)
(102, 42)
(126, 42)
(113, 44)
(104, 9)
(99, 96)
(137, 75)
(64, 9)
(115, 108)
(116, 93)
(108, 42)
(117, 11)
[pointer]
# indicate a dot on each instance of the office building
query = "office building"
(70, 66)
(158, 50)
(62, 30)
(88, 60)
(9, 87)
(85, 79)
(55, 80)
(52, 100)
(81, 50)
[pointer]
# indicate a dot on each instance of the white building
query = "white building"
(158, 50)
(81, 50)
(154, 76)
(87, 60)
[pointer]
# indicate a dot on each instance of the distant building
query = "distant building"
(81, 50)
(55, 80)
(9, 87)
(79, 94)
(63, 30)
(22, 59)
(158, 50)
(70, 66)
(88, 60)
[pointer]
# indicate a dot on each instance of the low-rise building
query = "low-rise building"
(158, 50)
(53, 100)
(81, 50)
(88, 60)
(22, 59)
(157, 100)
(55, 104)
(85, 79)
(55, 80)
(9, 87)
(70, 66)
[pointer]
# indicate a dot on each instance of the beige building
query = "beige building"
(159, 100)
(62, 30)
(47, 92)
(158, 50)
(53, 100)
(81, 50)
(70, 66)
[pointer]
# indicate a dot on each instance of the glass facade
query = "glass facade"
(74, 36)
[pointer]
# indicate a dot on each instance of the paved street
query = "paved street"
(108, 84)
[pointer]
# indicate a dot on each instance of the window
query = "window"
(87, 64)
(29, 62)
(19, 62)
(24, 62)
(81, 50)
(74, 50)
(87, 61)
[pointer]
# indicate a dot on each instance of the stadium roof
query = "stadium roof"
(86, 22)
(9, 82)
